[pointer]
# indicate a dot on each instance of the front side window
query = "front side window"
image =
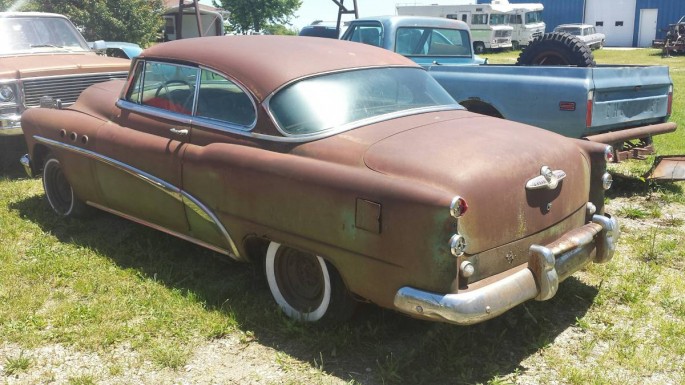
(481, 18)
(420, 41)
(317, 104)
(170, 87)
(222, 100)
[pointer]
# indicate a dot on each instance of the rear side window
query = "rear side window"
(222, 100)
(367, 33)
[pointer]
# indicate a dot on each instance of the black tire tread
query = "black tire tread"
(566, 46)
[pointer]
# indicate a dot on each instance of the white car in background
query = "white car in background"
(585, 32)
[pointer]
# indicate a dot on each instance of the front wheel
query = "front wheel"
(306, 287)
(58, 191)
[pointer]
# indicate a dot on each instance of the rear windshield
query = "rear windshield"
(325, 102)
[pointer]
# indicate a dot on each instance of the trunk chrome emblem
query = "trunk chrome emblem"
(548, 179)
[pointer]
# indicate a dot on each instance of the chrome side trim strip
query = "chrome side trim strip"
(170, 189)
(163, 229)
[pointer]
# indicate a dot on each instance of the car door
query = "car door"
(141, 175)
(225, 114)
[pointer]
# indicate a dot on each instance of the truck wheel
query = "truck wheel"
(58, 191)
(478, 47)
(557, 48)
(306, 287)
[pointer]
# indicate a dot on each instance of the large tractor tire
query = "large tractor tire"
(557, 48)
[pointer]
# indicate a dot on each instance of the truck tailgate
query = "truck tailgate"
(629, 96)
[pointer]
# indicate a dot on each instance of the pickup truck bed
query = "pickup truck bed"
(575, 102)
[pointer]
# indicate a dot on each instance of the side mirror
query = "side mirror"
(99, 45)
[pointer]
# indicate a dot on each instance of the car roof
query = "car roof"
(264, 63)
(391, 21)
(31, 14)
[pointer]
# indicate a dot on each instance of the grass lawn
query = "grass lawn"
(104, 284)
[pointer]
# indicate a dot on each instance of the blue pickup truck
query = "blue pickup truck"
(619, 105)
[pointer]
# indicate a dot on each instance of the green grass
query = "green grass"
(97, 284)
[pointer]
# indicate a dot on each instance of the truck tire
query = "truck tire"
(557, 48)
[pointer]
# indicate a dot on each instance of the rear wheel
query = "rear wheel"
(306, 287)
(58, 191)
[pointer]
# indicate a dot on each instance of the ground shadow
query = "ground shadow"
(376, 346)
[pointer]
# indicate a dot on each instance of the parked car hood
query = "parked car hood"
(488, 161)
(29, 66)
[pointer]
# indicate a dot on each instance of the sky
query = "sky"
(327, 10)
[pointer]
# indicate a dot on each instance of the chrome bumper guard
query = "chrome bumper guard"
(547, 266)
(26, 162)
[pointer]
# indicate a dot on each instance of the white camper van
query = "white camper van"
(488, 19)
(488, 30)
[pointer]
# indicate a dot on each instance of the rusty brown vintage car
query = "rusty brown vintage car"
(344, 167)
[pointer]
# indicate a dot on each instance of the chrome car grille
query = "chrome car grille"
(537, 34)
(65, 88)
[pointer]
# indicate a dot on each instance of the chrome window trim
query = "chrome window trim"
(357, 123)
(213, 124)
(154, 111)
(176, 192)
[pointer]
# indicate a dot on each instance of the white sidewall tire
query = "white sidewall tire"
(312, 316)
(52, 162)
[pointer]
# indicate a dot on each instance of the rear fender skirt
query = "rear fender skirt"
(190, 201)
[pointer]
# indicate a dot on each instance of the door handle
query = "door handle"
(176, 131)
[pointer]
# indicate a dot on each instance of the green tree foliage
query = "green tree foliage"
(279, 29)
(136, 21)
(256, 15)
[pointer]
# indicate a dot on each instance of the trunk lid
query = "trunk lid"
(488, 162)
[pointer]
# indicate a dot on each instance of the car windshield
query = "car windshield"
(571, 30)
(39, 34)
(324, 102)
(498, 19)
(533, 17)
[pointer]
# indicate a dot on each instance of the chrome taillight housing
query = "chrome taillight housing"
(458, 207)
(609, 154)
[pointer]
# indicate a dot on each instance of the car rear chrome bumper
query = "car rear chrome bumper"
(547, 266)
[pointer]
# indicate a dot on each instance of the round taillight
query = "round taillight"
(458, 206)
(609, 154)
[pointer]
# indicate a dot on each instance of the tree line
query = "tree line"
(140, 21)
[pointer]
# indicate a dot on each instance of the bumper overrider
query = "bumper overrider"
(547, 266)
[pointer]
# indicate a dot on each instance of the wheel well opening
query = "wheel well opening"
(481, 107)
